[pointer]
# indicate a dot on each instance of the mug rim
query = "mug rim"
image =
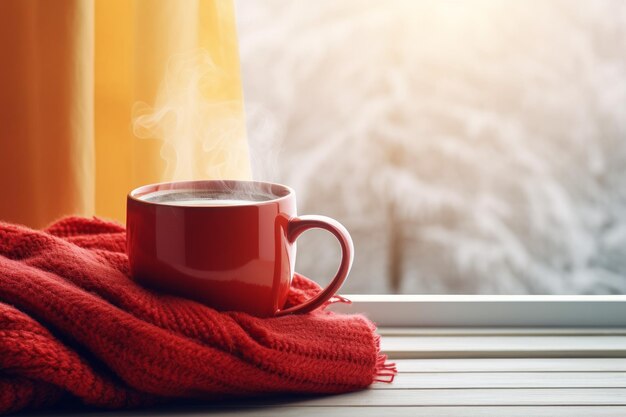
(149, 188)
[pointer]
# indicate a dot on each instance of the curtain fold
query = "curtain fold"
(74, 70)
(46, 110)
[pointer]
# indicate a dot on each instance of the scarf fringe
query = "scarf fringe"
(338, 299)
(384, 371)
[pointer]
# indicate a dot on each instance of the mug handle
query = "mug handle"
(297, 226)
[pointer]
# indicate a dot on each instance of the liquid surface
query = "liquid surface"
(205, 198)
(210, 203)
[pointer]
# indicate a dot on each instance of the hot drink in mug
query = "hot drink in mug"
(228, 244)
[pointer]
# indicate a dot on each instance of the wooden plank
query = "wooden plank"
(411, 347)
(503, 331)
(460, 397)
(507, 380)
(288, 411)
(412, 310)
(431, 412)
(437, 412)
(392, 399)
(512, 365)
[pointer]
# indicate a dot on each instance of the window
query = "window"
(470, 147)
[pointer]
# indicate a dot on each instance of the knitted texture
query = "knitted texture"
(75, 327)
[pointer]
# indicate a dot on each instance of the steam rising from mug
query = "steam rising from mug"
(201, 124)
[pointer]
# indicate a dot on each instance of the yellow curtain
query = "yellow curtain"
(74, 74)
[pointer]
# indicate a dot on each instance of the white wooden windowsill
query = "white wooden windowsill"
(489, 310)
(474, 356)
(485, 372)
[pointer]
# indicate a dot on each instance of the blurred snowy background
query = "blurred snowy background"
(469, 146)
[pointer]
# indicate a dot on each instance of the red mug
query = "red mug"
(233, 255)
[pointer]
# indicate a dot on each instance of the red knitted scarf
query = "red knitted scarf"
(73, 325)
